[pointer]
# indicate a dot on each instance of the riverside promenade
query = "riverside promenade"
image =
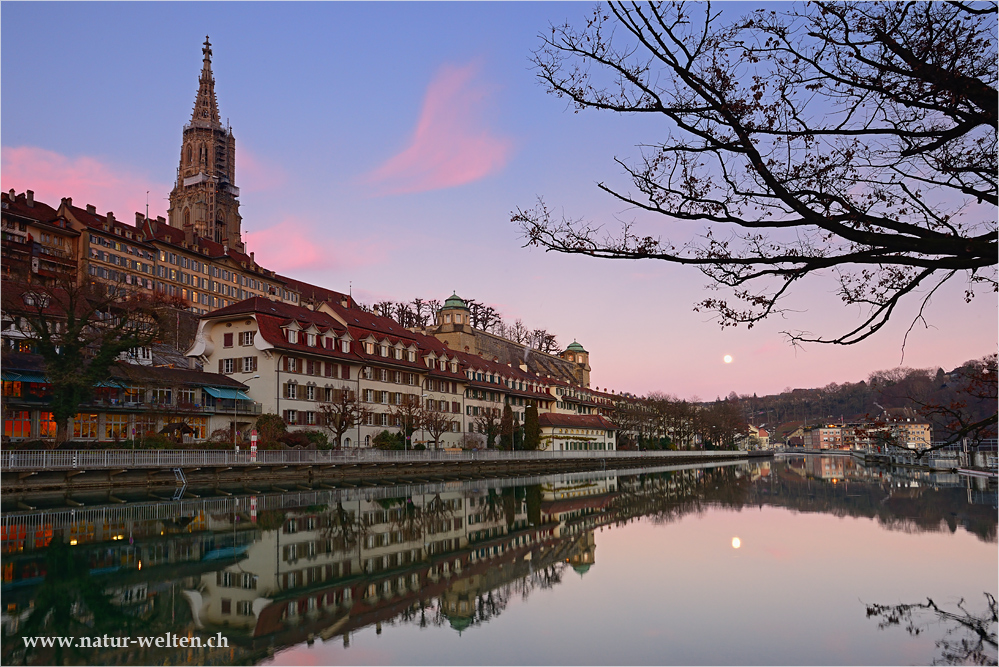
(34, 471)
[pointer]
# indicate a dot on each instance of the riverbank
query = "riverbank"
(169, 472)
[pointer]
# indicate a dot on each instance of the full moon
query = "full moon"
(727, 358)
(736, 543)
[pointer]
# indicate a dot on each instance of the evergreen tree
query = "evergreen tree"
(532, 429)
(506, 429)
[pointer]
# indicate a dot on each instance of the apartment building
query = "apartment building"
(37, 243)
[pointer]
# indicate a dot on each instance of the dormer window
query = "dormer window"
(430, 362)
(345, 346)
(292, 336)
(383, 350)
(312, 339)
(411, 355)
(369, 348)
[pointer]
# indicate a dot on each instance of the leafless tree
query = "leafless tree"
(488, 424)
(80, 329)
(970, 637)
(421, 312)
(519, 333)
(339, 412)
(436, 420)
(977, 385)
(385, 309)
(408, 416)
(856, 138)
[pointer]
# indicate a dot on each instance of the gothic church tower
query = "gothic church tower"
(205, 199)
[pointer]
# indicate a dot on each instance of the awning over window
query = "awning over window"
(23, 376)
(225, 392)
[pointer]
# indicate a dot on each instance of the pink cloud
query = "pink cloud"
(451, 145)
(292, 244)
(88, 180)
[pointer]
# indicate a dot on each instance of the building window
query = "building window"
(291, 417)
(291, 391)
(345, 346)
(161, 396)
(246, 337)
(116, 427)
(249, 364)
(311, 339)
(310, 393)
(226, 366)
(85, 426)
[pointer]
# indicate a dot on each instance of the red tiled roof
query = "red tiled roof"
(272, 316)
(314, 292)
(18, 205)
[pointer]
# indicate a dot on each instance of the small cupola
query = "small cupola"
(454, 311)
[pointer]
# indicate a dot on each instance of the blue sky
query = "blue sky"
(383, 146)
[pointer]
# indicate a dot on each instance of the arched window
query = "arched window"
(187, 211)
(189, 154)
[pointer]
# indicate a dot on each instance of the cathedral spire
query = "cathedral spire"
(206, 107)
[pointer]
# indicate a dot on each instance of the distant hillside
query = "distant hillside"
(914, 388)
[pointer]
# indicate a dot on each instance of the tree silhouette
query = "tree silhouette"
(856, 138)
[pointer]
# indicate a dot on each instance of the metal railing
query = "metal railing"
(96, 459)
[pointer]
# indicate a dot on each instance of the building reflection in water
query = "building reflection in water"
(321, 565)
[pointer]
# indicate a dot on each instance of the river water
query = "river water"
(796, 560)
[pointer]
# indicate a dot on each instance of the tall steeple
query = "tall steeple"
(204, 200)
(206, 106)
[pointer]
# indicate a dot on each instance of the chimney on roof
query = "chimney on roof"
(160, 219)
(253, 262)
(189, 233)
(67, 201)
(29, 197)
(139, 219)
(12, 194)
(345, 301)
(110, 217)
(91, 209)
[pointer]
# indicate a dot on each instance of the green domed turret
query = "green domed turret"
(454, 301)
(576, 347)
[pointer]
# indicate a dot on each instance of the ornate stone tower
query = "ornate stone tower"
(205, 199)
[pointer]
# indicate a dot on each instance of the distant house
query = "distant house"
(761, 434)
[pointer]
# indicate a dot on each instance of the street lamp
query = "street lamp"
(235, 397)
